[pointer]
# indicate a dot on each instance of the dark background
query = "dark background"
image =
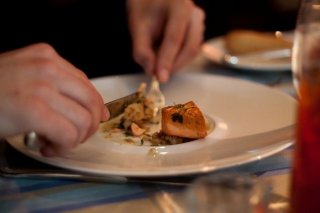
(93, 34)
(262, 15)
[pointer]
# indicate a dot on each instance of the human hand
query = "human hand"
(166, 34)
(42, 92)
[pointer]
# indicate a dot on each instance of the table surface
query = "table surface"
(67, 195)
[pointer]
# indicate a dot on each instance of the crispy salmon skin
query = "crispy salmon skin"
(183, 120)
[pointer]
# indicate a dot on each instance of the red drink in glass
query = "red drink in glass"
(305, 185)
(305, 189)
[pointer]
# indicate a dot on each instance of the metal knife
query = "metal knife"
(116, 107)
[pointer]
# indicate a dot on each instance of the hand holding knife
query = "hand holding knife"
(115, 107)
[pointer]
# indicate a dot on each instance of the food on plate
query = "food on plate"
(137, 117)
(174, 124)
(180, 123)
(247, 41)
(183, 120)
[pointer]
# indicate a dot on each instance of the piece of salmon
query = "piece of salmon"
(183, 120)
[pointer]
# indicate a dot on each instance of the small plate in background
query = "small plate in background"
(276, 60)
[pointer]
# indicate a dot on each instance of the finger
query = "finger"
(46, 51)
(69, 109)
(193, 39)
(142, 20)
(72, 87)
(64, 64)
(48, 61)
(60, 133)
(171, 43)
(143, 52)
(82, 93)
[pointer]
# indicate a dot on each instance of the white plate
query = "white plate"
(239, 108)
(214, 49)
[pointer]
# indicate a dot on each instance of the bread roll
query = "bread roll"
(248, 41)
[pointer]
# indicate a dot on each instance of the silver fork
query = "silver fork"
(155, 95)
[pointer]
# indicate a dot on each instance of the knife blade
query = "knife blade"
(116, 107)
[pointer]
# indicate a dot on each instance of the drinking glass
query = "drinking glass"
(305, 185)
(224, 192)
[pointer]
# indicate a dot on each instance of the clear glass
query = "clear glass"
(220, 193)
(305, 188)
(306, 41)
(227, 193)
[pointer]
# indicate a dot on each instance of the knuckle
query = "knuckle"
(200, 13)
(45, 49)
(46, 67)
(36, 106)
(82, 75)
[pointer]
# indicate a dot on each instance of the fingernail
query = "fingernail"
(163, 75)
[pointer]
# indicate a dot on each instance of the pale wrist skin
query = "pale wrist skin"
(166, 34)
